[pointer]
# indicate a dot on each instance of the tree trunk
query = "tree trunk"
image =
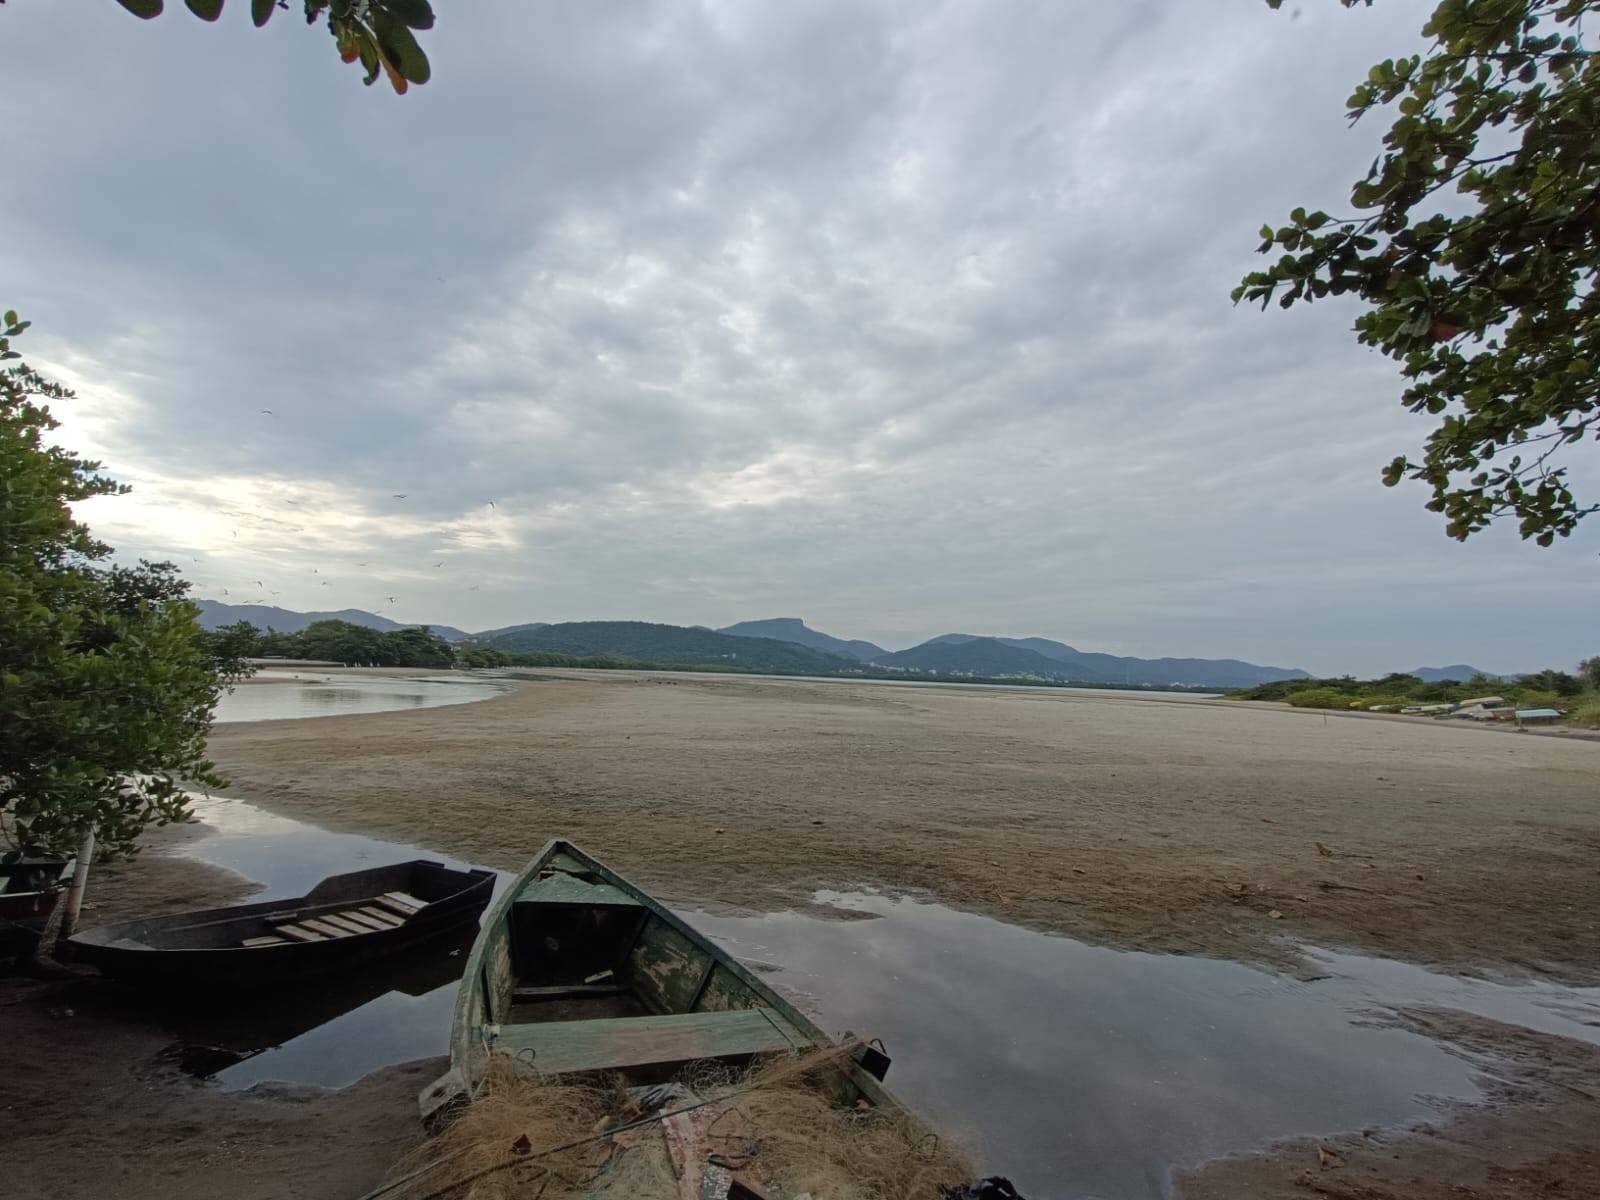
(80, 881)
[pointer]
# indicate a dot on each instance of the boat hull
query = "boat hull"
(202, 950)
(577, 970)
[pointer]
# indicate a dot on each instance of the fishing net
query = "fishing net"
(774, 1127)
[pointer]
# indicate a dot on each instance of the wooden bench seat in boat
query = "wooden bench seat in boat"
(366, 919)
(556, 1047)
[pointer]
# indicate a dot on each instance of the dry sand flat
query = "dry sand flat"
(1164, 824)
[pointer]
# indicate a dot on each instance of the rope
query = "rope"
(800, 1068)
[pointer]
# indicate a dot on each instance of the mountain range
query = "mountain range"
(1045, 659)
(1456, 674)
(670, 644)
(214, 614)
(793, 629)
(788, 644)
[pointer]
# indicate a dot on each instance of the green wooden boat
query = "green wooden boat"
(575, 970)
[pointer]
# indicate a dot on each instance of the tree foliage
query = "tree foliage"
(1474, 249)
(334, 641)
(376, 33)
(1589, 672)
(106, 690)
(1538, 688)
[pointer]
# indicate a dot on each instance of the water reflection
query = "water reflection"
(280, 695)
(1084, 1071)
(328, 1033)
(1077, 1070)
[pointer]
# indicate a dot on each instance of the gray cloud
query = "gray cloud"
(906, 318)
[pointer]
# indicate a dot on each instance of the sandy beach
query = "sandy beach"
(1166, 824)
(1181, 825)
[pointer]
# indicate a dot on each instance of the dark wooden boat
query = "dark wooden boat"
(29, 884)
(344, 921)
(29, 887)
(575, 969)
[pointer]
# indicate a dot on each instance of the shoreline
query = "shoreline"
(1168, 824)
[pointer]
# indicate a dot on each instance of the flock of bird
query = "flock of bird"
(266, 593)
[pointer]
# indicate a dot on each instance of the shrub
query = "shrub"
(1586, 715)
(1320, 698)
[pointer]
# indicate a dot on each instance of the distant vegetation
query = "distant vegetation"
(1579, 693)
(673, 645)
(357, 645)
(336, 641)
(641, 646)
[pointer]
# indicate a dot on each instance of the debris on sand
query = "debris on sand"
(774, 1127)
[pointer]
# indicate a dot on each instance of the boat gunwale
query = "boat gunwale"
(462, 1043)
(125, 936)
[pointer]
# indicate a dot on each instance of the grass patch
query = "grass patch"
(1586, 715)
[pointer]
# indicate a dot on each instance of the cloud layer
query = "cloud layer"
(906, 318)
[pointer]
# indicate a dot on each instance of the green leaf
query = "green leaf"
(418, 14)
(11, 316)
(261, 11)
(143, 9)
(399, 46)
(206, 10)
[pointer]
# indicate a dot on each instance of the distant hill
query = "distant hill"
(985, 657)
(1456, 674)
(489, 634)
(214, 614)
(793, 629)
(1083, 666)
(672, 644)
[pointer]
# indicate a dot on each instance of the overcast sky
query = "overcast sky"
(904, 318)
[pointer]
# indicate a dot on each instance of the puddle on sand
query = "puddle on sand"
(309, 694)
(336, 1031)
(1081, 1071)
(1076, 1070)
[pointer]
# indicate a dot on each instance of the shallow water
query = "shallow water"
(313, 694)
(1043, 689)
(1077, 1070)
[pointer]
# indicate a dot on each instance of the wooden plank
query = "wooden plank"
(725, 990)
(265, 941)
(383, 917)
(344, 923)
(564, 991)
(668, 969)
(400, 902)
(325, 928)
(559, 887)
(300, 934)
(561, 1046)
(357, 917)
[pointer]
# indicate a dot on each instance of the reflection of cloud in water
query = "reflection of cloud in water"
(305, 695)
(1085, 1071)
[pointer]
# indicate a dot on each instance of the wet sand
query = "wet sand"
(1165, 824)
